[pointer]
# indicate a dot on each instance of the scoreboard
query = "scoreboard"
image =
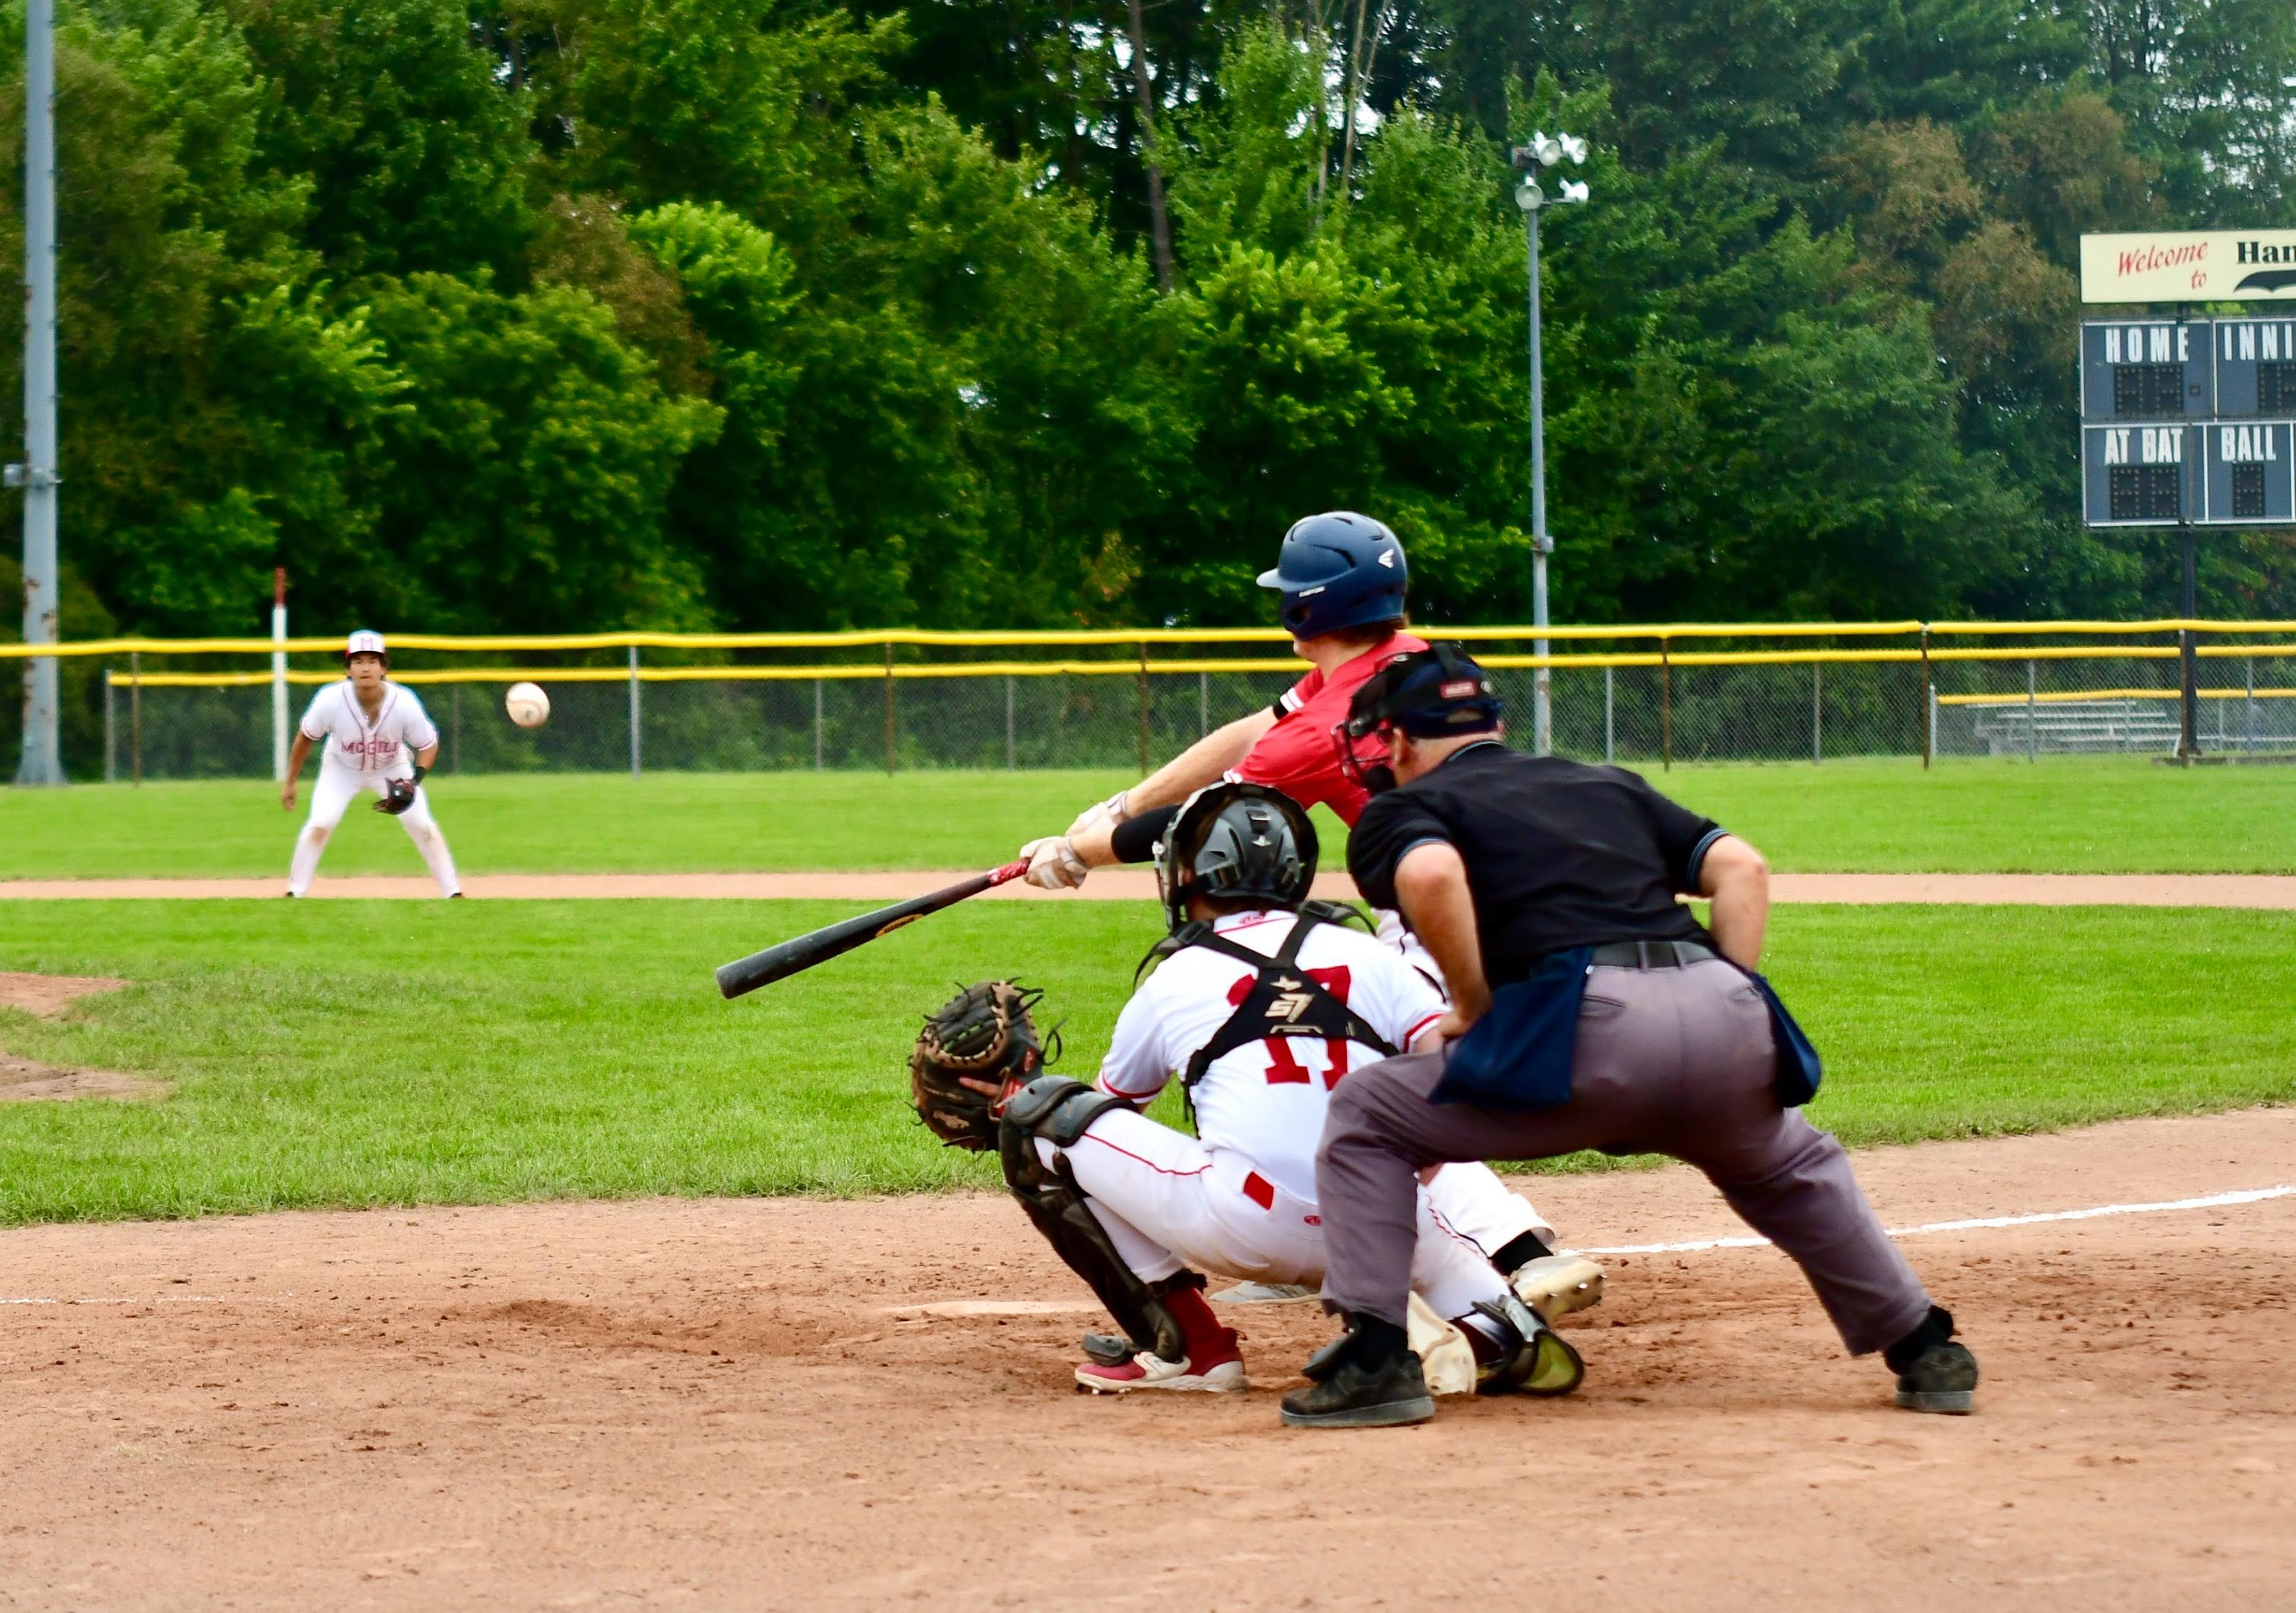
(2188, 422)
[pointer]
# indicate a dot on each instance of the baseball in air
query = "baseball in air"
(527, 705)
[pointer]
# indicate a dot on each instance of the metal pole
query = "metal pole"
(889, 707)
(1012, 744)
(279, 675)
(1203, 703)
(1543, 716)
(816, 725)
(2189, 739)
(136, 713)
(1610, 728)
(2248, 724)
(1143, 708)
(2032, 711)
(1665, 706)
(1929, 703)
(2189, 727)
(43, 759)
(110, 747)
(455, 756)
(1817, 713)
(637, 728)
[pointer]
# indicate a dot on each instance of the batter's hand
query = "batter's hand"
(1102, 814)
(1054, 864)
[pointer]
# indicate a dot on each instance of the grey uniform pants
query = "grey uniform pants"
(1667, 1061)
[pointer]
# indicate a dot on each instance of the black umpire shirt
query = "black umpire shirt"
(1559, 854)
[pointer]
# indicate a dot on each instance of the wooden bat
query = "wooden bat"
(795, 956)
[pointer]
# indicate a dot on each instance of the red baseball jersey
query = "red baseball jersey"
(1297, 756)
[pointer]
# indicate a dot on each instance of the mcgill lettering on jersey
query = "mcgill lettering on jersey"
(1265, 1099)
(387, 745)
(1296, 757)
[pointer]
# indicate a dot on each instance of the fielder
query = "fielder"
(378, 738)
(1343, 581)
(1263, 1003)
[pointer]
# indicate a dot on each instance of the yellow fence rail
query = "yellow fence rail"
(1145, 637)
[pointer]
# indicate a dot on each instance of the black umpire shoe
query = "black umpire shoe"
(1942, 1377)
(1345, 1394)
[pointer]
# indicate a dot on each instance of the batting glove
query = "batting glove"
(1054, 864)
(1102, 814)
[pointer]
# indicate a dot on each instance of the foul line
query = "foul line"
(2214, 1201)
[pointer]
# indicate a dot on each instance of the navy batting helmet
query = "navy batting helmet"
(1338, 570)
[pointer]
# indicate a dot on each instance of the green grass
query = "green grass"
(2067, 815)
(371, 1053)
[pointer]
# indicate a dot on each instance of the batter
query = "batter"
(1344, 582)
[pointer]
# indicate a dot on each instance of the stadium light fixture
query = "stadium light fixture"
(1543, 151)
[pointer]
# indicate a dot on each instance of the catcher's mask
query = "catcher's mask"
(366, 641)
(1231, 841)
(1436, 693)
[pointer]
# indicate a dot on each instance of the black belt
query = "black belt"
(1652, 954)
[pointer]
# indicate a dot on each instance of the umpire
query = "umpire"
(1589, 1010)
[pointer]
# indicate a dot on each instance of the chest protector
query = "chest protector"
(1284, 1000)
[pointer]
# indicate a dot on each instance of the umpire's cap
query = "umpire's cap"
(1429, 694)
(1231, 841)
(1338, 570)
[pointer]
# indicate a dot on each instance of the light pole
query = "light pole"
(43, 762)
(1543, 151)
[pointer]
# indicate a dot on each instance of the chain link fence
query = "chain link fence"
(693, 719)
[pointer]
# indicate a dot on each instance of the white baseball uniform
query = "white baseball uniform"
(1239, 1196)
(361, 754)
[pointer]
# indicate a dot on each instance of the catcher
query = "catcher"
(1263, 1003)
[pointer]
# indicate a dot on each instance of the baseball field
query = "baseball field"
(408, 1254)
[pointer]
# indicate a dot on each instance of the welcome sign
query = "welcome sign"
(2189, 265)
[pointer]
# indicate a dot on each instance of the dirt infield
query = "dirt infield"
(1132, 884)
(777, 1403)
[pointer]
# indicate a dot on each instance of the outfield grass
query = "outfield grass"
(374, 1053)
(2066, 815)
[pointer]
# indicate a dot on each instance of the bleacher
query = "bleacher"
(2139, 726)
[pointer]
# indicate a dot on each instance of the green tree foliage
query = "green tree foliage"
(792, 314)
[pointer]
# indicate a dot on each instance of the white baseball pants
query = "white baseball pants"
(1167, 1201)
(332, 796)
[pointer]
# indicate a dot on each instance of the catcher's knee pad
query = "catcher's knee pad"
(1059, 1110)
(1056, 1108)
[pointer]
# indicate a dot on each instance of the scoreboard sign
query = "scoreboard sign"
(2188, 422)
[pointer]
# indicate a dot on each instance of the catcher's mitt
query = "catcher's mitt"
(982, 1033)
(397, 795)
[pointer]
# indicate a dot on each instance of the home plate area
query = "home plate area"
(863, 1403)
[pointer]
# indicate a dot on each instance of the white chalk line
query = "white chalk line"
(2213, 1201)
(1698, 1246)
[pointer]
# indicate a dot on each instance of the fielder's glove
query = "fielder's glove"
(397, 795)
(982, 1033)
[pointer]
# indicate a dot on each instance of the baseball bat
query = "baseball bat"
(746, 975)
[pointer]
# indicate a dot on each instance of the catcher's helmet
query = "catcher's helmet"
(366, 641)
(1338, 570)
(1236, 840)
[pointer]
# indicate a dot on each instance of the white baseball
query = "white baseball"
(527, 705)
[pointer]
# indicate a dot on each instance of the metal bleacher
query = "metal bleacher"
(2125, 726)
